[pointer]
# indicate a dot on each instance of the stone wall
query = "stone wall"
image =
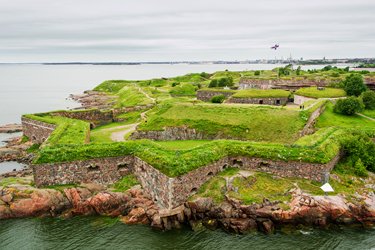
(154, 182)
(310, 124)
(248, 83)
(165, 191)
(205, 95)
(268, 101)
(170, 134)
(94, 116)
(36, 131)
(101, 171)
(298, 99)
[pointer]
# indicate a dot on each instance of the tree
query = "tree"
(298, 71)
(225, 81)
(368, 98)
(213, 83)
(348, 106)
(353, 85)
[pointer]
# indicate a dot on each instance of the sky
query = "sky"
(176, 30)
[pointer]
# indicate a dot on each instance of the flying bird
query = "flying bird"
(275, 47)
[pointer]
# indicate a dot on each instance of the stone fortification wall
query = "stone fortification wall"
(101, 171)
(268, 101)
(248, 83)
(155, 183)
(206, 96)
(170, 134)
(36, 131)
(310, 124)
(95, 116)
(165, 191)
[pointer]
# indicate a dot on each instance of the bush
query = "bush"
(368, 99)
(360, 169)
(353, 85)
(358, 146)
(175, 84)
(218, 99)
(348, 106)
(225, 81)
(257, 73)
(213, 83)
(205, 75)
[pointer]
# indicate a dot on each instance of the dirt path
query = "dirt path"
(119, 135)
(365, 116)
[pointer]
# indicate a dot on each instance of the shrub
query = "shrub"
(175, 84)
(359, 146)
(225, 81)
(213, 83)
(218, 99)
(257, 73)
(348, 106)
(360, 169)
(298, 71)
(353, 85)
(205, 75)
(368, 99)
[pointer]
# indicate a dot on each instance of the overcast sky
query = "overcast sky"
(159, 30)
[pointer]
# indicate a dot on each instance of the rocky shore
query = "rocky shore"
(93, 99)
(135, 207)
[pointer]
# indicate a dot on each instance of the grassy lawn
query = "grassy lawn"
(131, 96)
(181, 145)
(369, 113)
(125, 183)
(313, 92)
(261, 93)
(331, 119)
(248, 123)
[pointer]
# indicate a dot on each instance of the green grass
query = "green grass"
(173, 164)
(68, 131)
(245, 123)
(4, 182)
(218, 90)
(130, 96)
(369, 113)
(255, 188)
(313, 92)
(181, 145)
(261, 93)
(184, 90)
(331, 119)
(125, 183)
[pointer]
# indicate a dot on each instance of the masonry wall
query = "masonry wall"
(268, 101)
(36, 131)
(207, 95)
(95, 116)
(170, 133)
(101, 171)
(155, 183)
(310, 124)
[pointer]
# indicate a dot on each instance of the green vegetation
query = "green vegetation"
(331, 119)
(221, 82)
(131, 96)
(218, 90)
(368, 98)
(5, 182)
(184, 90)
(68, 131)
(314, 92)
(125, 183)
(354, 85)
(260, 93)
(369, 113)
(181, 145)
(247, 123)
(366, 65)
(218, 99)
(348, 106)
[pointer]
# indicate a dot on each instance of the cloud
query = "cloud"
(146, 30)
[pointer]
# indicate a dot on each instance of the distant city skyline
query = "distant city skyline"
(165, 30)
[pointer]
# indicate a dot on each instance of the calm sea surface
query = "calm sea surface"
(38, 88)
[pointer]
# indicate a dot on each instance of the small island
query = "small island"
(241, 151)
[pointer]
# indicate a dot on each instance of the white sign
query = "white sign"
(327, 188)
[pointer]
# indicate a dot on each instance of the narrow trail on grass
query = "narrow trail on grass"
(365, 116)
(147, 95)
(119, 136)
